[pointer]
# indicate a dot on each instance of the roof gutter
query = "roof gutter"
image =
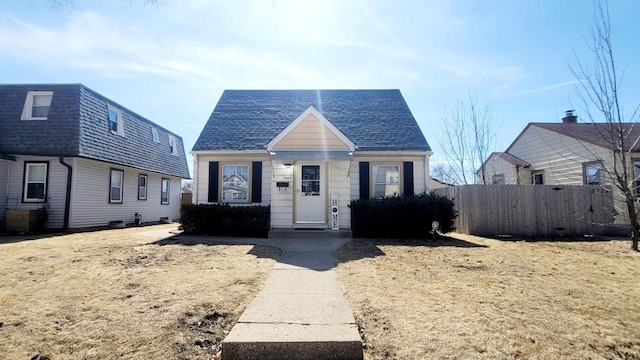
(67, 200)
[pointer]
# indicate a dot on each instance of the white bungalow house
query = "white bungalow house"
(84, 158)
(308, 153)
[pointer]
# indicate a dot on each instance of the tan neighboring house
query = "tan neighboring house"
(566, 153)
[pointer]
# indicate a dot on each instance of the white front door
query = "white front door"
(310, 193)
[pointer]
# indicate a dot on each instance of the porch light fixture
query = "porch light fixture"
(287, 165)
(272, 153)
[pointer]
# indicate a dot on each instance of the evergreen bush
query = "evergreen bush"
(407, 217)
(226, 220)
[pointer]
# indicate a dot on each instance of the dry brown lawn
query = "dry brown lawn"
(123, 294)
(474, 298)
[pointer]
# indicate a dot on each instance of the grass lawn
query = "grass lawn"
(123, 294)
(467, 297)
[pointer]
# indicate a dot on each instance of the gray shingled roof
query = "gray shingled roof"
(374, 120)
(596, 133)
(77, 125)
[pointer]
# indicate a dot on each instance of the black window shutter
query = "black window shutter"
(256, 181)
(408, 178)
(213, 181)
(364, 180)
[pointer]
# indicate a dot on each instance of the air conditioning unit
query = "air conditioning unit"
(335, 216)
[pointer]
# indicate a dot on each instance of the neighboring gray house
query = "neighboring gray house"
(85, 158)
(308, 153)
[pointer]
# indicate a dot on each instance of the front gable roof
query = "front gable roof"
(505, 156)
(372, 120)
(318, 134)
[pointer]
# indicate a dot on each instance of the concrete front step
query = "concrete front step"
(309, 234)
(292, 342)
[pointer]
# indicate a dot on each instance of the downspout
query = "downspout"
(67, 200)
(194, 183)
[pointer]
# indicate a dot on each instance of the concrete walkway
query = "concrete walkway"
(301, 312)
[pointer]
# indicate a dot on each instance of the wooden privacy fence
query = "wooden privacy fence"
(186, 198)
(532, 210)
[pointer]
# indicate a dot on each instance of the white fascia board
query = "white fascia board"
(391, 153)
(229, 152)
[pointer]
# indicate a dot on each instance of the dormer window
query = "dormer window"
(116, 125)
(154, 134)
(36, 105)
(172, 145)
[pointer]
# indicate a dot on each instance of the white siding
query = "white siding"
(4, 174)
(56, 188)
(201, 174)
(90, 200)
(339, 183)
(497, 165)
(560, 157)
(420, 167)
(281, 199)
(343, 179)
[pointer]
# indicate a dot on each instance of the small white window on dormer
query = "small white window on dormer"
(116, 125)
(173, 148)
(154, 134)
(36, 105)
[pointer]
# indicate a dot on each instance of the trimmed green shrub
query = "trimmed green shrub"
(408, 217)
(226, 220)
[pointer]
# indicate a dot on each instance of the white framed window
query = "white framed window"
(497, 179)
(235, 183)
(173, 145)
(116, 123)
(36, 105)
(537, 177)
(116, 187)
(154, 135)
(164, 191)
(592, 173)
(386, 181)
(35, 181)
(143, 181)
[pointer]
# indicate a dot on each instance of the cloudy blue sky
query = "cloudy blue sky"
(170, 63)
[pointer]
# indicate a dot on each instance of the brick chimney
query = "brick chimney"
(570, 117)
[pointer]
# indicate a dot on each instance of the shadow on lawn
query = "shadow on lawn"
(260, 249)
(359, 248)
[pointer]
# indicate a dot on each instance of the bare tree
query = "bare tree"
(599, 93)
(442, 173)
(467, 139)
